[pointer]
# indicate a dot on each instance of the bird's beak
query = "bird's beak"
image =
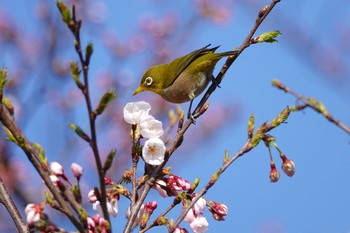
(138, 90)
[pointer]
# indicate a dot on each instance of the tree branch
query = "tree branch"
(11, 208)
(197, 112)
(312, 103)
(33, 157)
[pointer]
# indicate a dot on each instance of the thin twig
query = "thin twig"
(252, 141)
(11, 208)
(246, 148)
(314, 104)
(92, 117)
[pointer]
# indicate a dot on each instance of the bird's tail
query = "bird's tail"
(229, 53)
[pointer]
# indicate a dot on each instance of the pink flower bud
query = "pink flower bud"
(176, 183)
(274, 174)
(218, 217)
(288, 167)
(150, 207)
(90, 223)
(218, 210)
(180, 230)
(77, 170)
(91, 196)
(57, 169)
(108, 181)
(33, 213)
(160, 186)
(102, 224)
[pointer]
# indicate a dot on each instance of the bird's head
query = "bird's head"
(152, 80)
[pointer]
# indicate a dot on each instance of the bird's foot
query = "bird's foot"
(191, 117)
(215, 82)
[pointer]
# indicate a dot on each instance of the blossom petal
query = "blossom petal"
(151, 128)
(135, 111)
(199, 224)
(153, 151)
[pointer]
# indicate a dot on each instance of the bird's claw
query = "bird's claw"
(191, 117)
(215, 82)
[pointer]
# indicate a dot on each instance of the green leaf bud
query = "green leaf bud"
(109, 96)
(76, 193)
(194, 185)
(268, 37)
(75, 72)
(3, 80)
(83, 215)
(42, 157)
(88, 52)
(262, 11)
(251, 125)
(65, 13)
(79, 132)
(49, 200)
(282, 117)
(7, 103)
(109, 160)
(226, 157)
(257, 136)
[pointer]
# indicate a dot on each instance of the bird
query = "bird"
(184, 78)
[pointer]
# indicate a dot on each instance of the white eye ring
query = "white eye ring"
(148, 81)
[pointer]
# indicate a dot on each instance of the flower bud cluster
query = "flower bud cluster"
(288, 165)
(137, 113)
(57, 171)
(195, 217)
(170, 186)
(149, 207)
(218, 210)
(97, 224)
(37, 219)
(112, 201)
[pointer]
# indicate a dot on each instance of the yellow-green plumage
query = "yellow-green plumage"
(184, 78)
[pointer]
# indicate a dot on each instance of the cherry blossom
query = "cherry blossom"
(153, 151)
(135, 111)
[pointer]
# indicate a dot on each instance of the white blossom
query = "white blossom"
(200, 205)
(151, 128)
(199, 224)
(153, 151)
(135, 111)
(112, 207)
(159, 186)
(190, 216)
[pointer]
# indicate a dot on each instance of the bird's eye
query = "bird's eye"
(148, 81)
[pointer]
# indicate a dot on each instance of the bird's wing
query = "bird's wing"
(183, 62)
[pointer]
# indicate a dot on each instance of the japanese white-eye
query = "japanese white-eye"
(184, 78)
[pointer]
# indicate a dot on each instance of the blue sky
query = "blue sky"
(316, 199)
